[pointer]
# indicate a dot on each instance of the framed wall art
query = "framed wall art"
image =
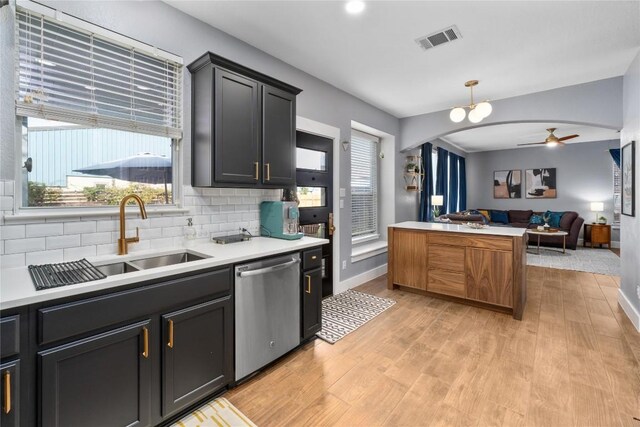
(507, 184)
(541, 184)
(628, 170)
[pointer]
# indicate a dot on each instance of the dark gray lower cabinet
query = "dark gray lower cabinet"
(103, 380)
(197, 353)
(311, 302)
(10, 394)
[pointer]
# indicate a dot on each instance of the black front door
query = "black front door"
(314, 177)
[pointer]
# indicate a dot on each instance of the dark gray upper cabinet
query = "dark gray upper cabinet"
(103, 380)
(197, 353)
(278, 137)
(243, 126)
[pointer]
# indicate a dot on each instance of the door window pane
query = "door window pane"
(311, 159)
(314, 230)
(312, 197)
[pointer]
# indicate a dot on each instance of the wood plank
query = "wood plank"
(489, 276)
(446, 282)
(444, 257)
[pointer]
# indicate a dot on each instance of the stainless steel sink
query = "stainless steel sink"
(117, 268)
(165, 260)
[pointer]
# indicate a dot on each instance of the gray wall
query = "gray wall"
(584, 174)
(596, 103)
(630, 246)
(159, 24)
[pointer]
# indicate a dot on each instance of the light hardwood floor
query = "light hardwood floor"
(572, 360)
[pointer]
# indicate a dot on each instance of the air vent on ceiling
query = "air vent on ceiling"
(439, 37)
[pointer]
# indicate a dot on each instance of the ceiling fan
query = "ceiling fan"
(552, 140)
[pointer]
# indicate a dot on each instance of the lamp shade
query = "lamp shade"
(484, 109)
(475, 116)
(457, 114)
(597, 206)
(437, 200)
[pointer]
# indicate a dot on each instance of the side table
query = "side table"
(599, 234)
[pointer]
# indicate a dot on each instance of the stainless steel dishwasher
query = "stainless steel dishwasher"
(267, 306)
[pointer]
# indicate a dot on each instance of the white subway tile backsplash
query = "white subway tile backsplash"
(24, 245)
(151, 233)
(10, 261)
(227, 191)
(80, 227)
(107, 225)
(43, 230)
(108, 249)
(44, 257)
(9, 188)
(12, 232)
(95, 238)
(6, 203)
(61, 242)
(71, 254)
(172, 231)
(161, 222)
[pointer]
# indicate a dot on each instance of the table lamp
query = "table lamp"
(436, 202)
(597, 207)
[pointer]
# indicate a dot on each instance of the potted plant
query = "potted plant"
(412, 168)
(602, 219)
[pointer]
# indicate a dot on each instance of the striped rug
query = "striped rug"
(217, 413)
(347, 311)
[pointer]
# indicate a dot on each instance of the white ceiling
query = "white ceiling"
(512, 47)
(500, 137)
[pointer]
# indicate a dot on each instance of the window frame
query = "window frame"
(21, 211)
(364, 238)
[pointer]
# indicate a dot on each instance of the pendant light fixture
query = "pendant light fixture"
(477, 112)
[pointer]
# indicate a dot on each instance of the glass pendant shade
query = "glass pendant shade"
(484, 109)
(475, 116)
(457, 114)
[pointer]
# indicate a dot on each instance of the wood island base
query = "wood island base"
(485, 268)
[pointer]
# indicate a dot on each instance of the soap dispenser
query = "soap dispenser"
(189, 233)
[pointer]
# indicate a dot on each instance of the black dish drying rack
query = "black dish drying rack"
(47, 276)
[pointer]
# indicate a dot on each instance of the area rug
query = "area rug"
(218, 412)
(345, 312)
(601, 261)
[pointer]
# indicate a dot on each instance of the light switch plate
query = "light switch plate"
(343, 192)
(341, 203)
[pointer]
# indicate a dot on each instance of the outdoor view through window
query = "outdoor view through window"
(69, 165)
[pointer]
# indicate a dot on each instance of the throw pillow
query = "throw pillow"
(536, 220)
(554, 218)
(501, 217)
(485, 214)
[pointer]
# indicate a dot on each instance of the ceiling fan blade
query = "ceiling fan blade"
(533, 143)
(564, 138)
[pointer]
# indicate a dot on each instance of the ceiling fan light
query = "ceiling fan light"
(552, 144)
(484, 109)
(457, 114)
(475, 116)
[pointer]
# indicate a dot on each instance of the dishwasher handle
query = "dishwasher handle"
(268, 269)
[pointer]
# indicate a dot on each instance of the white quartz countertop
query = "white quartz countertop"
(17, 289)
(461, 228)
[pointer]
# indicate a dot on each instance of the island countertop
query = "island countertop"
(460, 228)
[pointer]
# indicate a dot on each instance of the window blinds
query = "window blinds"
(74, 75)
(364, 184)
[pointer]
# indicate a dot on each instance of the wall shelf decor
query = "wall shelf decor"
(628, 170)
(413, 174)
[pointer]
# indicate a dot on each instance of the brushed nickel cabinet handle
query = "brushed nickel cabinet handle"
(257, 166)
(145, 342)
(308, 290)
(170, 343)
(314, 257)
(268, 178)
(7, 392)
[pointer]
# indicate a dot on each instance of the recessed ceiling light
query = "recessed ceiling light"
(354, 6)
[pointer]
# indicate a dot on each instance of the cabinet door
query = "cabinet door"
(490, 276)
(104, 380)
(237, 145)
(278, 137)
(197, 353)
(311, 302)
(10, 394)
(410, 261)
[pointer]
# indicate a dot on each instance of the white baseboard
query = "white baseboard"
(358, 280)
(629, 309)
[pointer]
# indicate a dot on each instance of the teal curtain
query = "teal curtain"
(615, 154)
(453, 183)
(462, 201)
(441, 178)
(427, 185)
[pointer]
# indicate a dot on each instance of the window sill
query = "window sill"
(367, 251)
(364, 239)
(62, 213)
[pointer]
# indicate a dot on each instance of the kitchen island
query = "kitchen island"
(484, 267)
